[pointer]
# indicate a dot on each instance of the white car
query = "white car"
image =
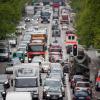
(64, 27)
(13, 42)
(45, 66)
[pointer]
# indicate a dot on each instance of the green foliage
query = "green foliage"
(88, 21)
(10, 14)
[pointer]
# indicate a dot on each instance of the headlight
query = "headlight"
(60, 95)
(29, 59)
(3, 92)
(44, 90)
(48, 95)
(6, 82)
(21, 59)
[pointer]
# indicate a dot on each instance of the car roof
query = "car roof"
(82, 82)
(18, 95)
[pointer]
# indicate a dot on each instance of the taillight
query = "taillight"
(72, 82)
(74, 98)
(88, 98)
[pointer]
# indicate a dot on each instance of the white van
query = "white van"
(18, 96)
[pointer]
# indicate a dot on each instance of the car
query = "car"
(56, 33)
(5, 80)
(74, 79)
(55, 27)
(55, 57)
(22, 46)
(13, 42)
(27, 19)
(45, 15)
(37, 59)
(20, 55)
(55, 53)
(81, 95)
(53, 89)
(56, 68)
(55, 15)
(64, 27)
(45, 20)
(18, 95)
(5, 53)
(45, 66)
(13, 62)
(23, 49)
(83, 85)
(2, 91)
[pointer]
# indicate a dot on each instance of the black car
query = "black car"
(56, 33)
(52, 89)
(55, 26)
(45, 14)
(45, 20)
(81, 95)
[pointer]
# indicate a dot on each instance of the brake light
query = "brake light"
(72, 81)
(74, 98)
(88, 98)
(77, 89)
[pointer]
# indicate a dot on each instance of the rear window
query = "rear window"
(3, 50)
(83, 85)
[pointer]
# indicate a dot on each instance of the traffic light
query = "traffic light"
(75, 50)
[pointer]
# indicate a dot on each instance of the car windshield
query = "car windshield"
(55, 50)
(53, 83)
(19, 54)
(3, 50)
(81, 93)
(26, 82)
(35, 48)
(45, 14)
(22, 49)
(83, 85)
(54, 89)
(56, 1)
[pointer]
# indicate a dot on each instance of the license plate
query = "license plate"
(54, 97)
(81, 98)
